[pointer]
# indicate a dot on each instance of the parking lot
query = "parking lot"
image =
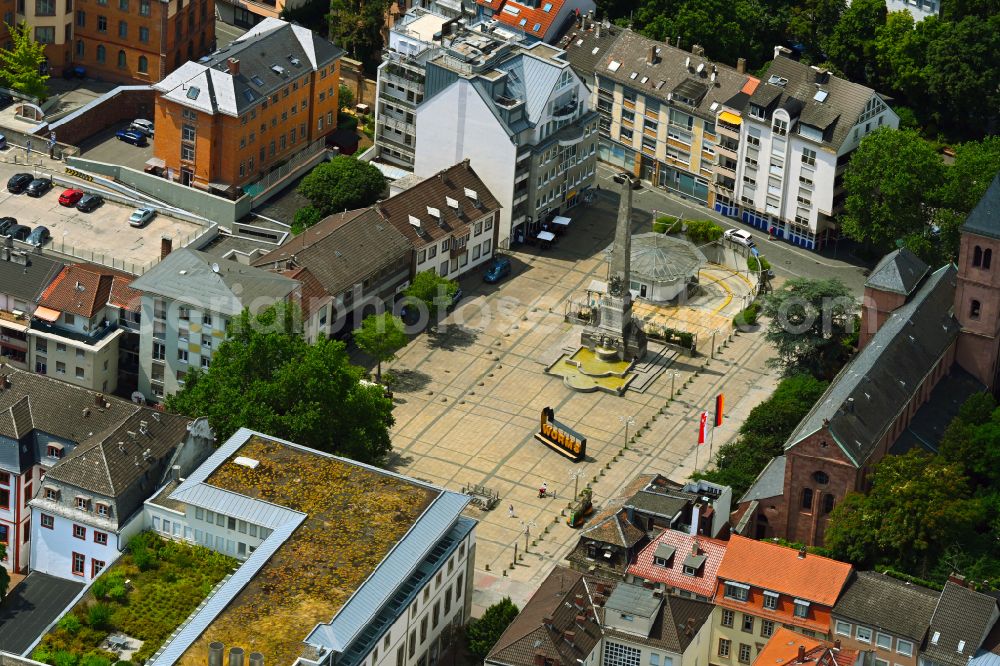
(104, 147)
(100, 235)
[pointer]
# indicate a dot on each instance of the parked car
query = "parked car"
(76, 72)
(141, 217)
(70, 197)
(132, 136)
(142, 126)
(18, 232)
(455, 298)
(89, 202)
(5, 224)
(5, 100)
(3, 141)
(39, 236)
(740, 236)
(19, 182)
(38, 187)
(498, 270)
(627, 177)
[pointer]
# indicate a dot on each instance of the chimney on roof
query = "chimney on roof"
(236, 656)
(539, 659)
(99, 399)
(694, 548)
(4, 382)
(166, 246)
(957, 579)
(651, 58)
(836, 645)
(698, 50)
(547, 621)
(175, 474)
(741, 66)
(580, 619)
(215, 650)
(689, 627)
(802, 553)
(782, 51)
(570, 637)
(822, 75)
(802, 654)
(233, 64)
(579, 601)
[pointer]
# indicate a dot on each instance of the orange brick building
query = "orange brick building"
(247, 109)
(120, 40)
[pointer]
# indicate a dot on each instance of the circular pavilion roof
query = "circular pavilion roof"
(660, 257)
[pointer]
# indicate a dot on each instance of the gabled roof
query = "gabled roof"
(898, 272)
(781, 569)
(223, 286)
(675, 626)
(864, 398)
(984, 219)
(271, 56)
(585, 48)
(783, 650)
(703, 583)
(628, 597)
(612, 527)
(887, 603)
(341, 250)
(78, 291)
(536, 22)
(961, 621)
(839, 111)
(769, 483)
(27, 280)
(529, 635)
(449, 192)
(673, 72)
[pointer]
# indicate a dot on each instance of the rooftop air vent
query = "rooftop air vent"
(246, 462)
(278, 69)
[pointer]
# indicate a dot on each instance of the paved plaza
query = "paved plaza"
(469, 399)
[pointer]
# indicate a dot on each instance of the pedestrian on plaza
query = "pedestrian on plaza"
(510, 510)
(771, 233)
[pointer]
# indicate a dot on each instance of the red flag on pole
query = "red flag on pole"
(720, 402)
(702, 425)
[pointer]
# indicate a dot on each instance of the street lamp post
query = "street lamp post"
(626, 421)
(528, 524)
(575, 475)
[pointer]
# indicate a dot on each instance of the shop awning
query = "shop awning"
(546, 236)
(561, 221)
(730, 118)
(47, 314)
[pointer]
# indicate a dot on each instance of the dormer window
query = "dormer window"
(52, 493)
(770, 600)
(802, 610)
(664, 556)
(54, 451)
(757, 111)
(737, 591)
(102, 509)
(82, 503)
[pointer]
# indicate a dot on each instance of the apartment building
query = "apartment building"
(90, 504)
(762, 586)
(678, 563)
(247, 14)
(397, 596)
(660, 108)
(961, 630)
(23, 277)
(537, 20)
(884, 615)
(800, 127)
(520, 115)
(268, 96)
(919, 9)
(74, 334)
(787, 648)
(187, 301)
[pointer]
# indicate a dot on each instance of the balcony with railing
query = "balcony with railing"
(566, 110)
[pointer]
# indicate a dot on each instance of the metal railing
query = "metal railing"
(276, 175)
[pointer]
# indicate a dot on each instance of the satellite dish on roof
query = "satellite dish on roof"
(215, 267)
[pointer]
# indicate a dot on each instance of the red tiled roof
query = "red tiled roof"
(77, 291)
(783, 650)
(780, 569)
(492, 4)
(122, 294)
(673, 576)
(750, 86)
(313, 292)
(527, 17)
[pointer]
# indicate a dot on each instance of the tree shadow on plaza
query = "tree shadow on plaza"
(451, 337)
(408, 381)
(398, 462)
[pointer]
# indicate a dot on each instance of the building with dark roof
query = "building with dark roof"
(929, 341)
(800, 127)
(23, 278)
(885, 615)
(576, 618)
(88, 460)
(962, 620)
(268, 96)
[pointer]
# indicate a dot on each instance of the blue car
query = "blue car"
(498, 270)
(133, 137)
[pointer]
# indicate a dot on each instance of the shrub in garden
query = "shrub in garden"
(64, 658)
(70, 624)
(98, 615)
(747, 317)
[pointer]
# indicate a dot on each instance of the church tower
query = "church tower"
(977, 297)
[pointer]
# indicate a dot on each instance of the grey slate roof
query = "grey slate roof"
(670, 626)
(586, 48)
(929, 423)
(670, 74)
(835, 116)
(898, 272)
(660, 504)
(863, 400)
(629, 598)
(985, 217)
(962, 617)
(208, 86)
(660, 257)
(27, 281)
(31, 606)
(188, 276)
(886, 603)
(770, 482)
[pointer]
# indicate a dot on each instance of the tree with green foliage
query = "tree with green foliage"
(381, 336)
(813, 22)
(483, 633)
(918, 505)
(21, 64)
(356, 25)
(811, 323)
(4, 576)
(976, 164)
(267, 377)
(763, 433)
(305, 217)
(851, 44)
(312, 14)
(433, 291)
(891, 184)
(343, 183)
(972, 440)
(700, 232)
(345, 97)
